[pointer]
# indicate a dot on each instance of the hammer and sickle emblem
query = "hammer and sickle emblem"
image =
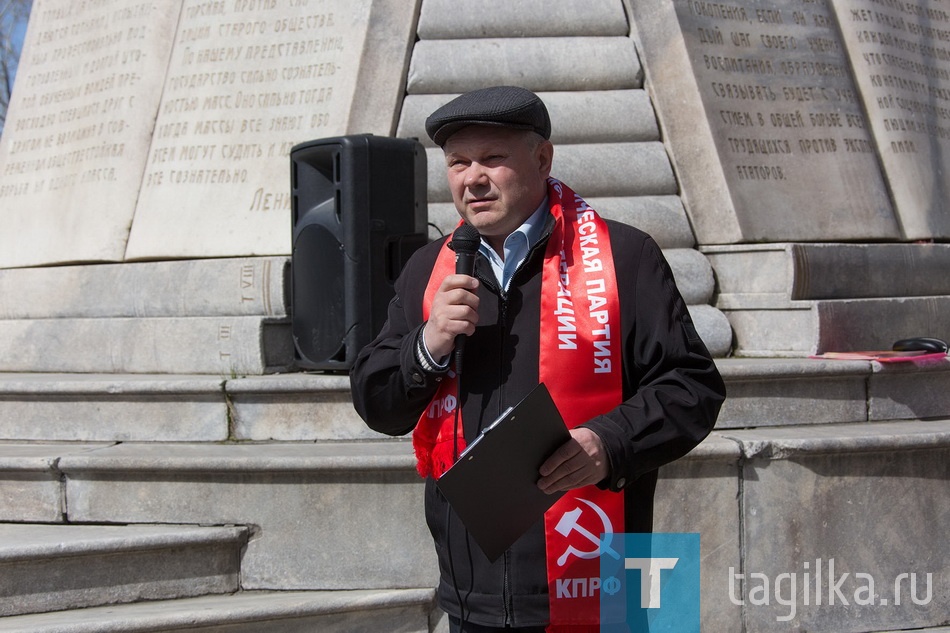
(568, 523)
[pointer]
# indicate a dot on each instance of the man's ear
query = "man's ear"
(545, 157)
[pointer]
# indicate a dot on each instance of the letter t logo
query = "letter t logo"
(650, 567)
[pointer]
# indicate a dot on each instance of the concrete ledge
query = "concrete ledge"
(316, 407)
(875, 437)
(311, 533)
(102, 407)
(31, 486)
(901, 391)
(588, 116)
(606, 170)
(247, 286)
(305, 458)
(804, 271)
(777, 392)
(765, 474)
(772, 392)
(843, 324)
(404, 611)
(55, 567)
(209, 345)
(700, 494)
(767, 325)
(293, 407)
(774, 501)
(662, 217)
(445, 19)
(540, 64)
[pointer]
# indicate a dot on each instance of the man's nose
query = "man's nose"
(475, 175)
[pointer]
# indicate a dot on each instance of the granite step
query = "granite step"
(773, 275)
(583, 117)
(317, 407)
(768, 392)
(802, 328)
(446, 19)
(55, 567)
(238, 286)
(325, 515)
(536, 63)
(399, 611)
(216, 345)
(794, 299)
(348, 515)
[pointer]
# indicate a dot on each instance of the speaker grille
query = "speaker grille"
(319, 281)
(359, 212)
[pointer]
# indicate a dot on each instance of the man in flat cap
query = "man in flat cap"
(561, 296)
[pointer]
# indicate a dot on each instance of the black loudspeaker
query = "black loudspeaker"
(359, 212)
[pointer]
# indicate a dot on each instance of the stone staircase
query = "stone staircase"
(282, 510)
(240, 536)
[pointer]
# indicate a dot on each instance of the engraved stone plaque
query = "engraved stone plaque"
(78, 128)
(150, 130)
(248, 79)
(900, 52)
(766, 125)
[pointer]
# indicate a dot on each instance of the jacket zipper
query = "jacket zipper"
(507, 593)
(503, 322)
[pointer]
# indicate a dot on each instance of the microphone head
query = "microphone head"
(465, 239)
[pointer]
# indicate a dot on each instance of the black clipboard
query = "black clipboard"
(493, 485)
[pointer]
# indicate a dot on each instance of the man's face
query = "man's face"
(497, 176)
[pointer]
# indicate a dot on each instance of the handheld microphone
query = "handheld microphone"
(465, 241)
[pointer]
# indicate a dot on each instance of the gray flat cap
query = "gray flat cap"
(504, 106)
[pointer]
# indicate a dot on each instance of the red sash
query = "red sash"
(580, 364)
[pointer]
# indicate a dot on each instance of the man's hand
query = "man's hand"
(454, 311)
(581, 461)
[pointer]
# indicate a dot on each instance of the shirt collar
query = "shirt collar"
(517, 245)
(532, 229)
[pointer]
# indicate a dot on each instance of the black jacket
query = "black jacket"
(671, 388)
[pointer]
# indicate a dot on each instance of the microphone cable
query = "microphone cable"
(448, 507)
(465, 242)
